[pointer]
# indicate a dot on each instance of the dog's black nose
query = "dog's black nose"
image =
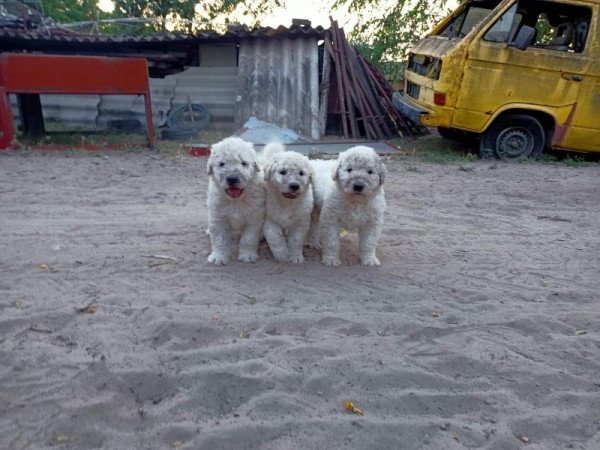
(294, 186)
(232, 181)
(358, 187)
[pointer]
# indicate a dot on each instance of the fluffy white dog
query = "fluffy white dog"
(236, 200)
(350, 195)
(289, 203)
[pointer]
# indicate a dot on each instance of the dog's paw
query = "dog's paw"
(280, 256)
(217, 259)
(298, 259)
(370, 261)
(248, 257)
(330, 261)
(314, 243)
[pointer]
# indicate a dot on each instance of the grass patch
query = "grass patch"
(435, 150)
(126, 142)
(576, 161)
(569, 159)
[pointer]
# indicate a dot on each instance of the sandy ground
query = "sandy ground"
(181, 354)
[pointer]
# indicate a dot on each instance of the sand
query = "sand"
(480, 329)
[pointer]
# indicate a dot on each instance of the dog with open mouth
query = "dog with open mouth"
(289, 202)
(236, 200)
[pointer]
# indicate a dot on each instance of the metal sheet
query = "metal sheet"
(121, 107)
(212, 87)
(278, 82)
(71, 112)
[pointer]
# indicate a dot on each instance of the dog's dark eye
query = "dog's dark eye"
(283, 172)
(349, 169)
(244, 163)
(370, 172)
(301, 173)
(221, 164)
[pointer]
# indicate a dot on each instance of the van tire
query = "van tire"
(513, 138)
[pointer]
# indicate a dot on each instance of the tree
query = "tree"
(388, 37)
(176, 11)
(188, 15)
(159, 15)
(65, 11)
(383, 34)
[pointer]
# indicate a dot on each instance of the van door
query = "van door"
(582, 132)
(544, 77)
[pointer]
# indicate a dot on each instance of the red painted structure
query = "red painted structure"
(22, 73)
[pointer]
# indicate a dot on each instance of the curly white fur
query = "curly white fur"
(236, 200)
(289, 203)
(350, 194)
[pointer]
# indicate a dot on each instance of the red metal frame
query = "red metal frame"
(22, 73)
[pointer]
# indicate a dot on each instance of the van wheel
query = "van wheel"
(514, 138)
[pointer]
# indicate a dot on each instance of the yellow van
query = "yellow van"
(522, 75)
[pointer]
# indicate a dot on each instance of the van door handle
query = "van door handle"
(570, 77)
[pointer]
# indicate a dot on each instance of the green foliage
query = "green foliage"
(388, 37)
(161, 10)
(384, 40)
(159, 15)
(544, 31)
(65, 11)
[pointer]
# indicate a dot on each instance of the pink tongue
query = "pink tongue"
(234, 192)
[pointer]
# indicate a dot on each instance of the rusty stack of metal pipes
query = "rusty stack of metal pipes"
(365, 96)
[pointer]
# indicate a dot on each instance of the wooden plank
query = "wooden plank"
(359, 98)
(324, 87)
(403, 125)
(373, 102)
(336, 61)
(345, 79)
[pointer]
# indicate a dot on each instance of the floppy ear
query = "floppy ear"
(336, 170)
(311, 174)
(268, 170)
(382, 173)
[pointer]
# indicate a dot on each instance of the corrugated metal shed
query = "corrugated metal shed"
(278, 83)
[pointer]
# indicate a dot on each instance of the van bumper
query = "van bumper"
(408, 108)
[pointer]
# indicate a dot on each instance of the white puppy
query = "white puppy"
(350, 194)
(322, 184)
(236, 200)
(288, 177)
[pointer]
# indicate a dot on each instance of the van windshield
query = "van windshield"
(465, 19)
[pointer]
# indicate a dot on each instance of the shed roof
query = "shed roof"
(235, 34)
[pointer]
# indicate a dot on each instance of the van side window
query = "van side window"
(505, 28)
(467, 19)
(559, 26)
(562, 27)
